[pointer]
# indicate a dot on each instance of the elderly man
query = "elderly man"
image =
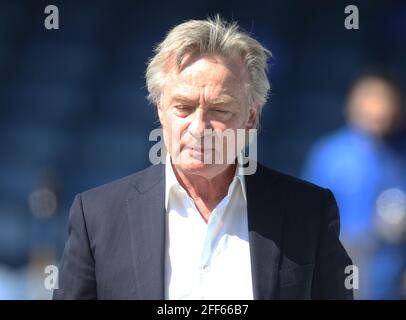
(198, 229)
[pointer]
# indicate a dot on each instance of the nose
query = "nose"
(199, 123)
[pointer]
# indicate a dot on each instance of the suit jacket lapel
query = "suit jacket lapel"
(265, 225)
(146, 216)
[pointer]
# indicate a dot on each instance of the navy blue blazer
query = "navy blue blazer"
(116, 243)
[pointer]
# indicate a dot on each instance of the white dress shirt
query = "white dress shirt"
(206, 260)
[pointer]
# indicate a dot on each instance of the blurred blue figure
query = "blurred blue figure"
(369, 182)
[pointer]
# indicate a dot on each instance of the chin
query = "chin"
(197, 167)
(194, 165)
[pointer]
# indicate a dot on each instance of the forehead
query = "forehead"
(208, 72)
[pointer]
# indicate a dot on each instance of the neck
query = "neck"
(206, 192)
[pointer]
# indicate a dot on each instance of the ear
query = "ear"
(160, 112)
(252, 117)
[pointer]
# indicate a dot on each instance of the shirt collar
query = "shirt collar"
(171, 180)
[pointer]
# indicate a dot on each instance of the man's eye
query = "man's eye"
(182, 108)
(221, 111)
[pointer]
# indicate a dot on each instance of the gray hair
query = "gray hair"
(210, 36)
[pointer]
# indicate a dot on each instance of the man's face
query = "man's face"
(209, 92)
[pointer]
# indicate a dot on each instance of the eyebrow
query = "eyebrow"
(222, 99)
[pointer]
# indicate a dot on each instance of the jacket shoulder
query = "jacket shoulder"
(121, 188)
(288, 182)
(301, 197)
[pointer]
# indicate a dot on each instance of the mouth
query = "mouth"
(200, 154)
(199, 149)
